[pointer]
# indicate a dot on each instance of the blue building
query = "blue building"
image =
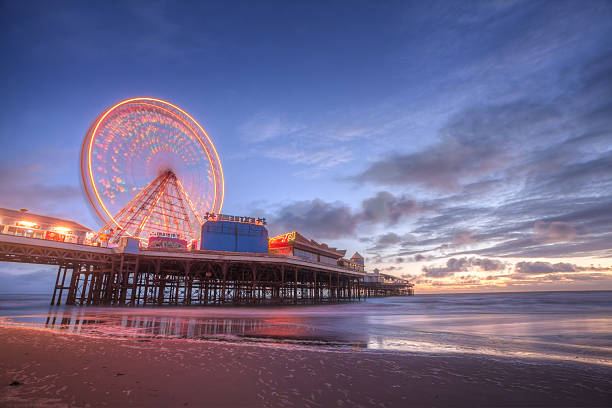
(234, 236)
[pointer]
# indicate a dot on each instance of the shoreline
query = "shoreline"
(107, 324)
(58, 369)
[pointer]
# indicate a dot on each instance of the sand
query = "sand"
(56, 369)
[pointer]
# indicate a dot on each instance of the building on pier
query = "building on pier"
(357, 262)
(234, 234)
(23, 223)
(295, 244)
(381, 284)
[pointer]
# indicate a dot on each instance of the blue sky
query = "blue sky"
(467, 145)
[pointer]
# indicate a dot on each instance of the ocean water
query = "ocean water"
(558, 326)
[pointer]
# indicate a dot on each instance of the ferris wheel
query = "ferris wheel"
(148, 167)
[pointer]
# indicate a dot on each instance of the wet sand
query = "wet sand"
(56, 369)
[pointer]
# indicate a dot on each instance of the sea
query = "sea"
(551, 326)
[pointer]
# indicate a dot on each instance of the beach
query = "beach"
(514, 349)
(56, 369)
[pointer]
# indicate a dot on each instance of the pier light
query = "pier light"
(63, 230)
(27, 224)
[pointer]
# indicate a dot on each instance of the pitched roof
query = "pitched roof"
(356, 255)
(312, 244)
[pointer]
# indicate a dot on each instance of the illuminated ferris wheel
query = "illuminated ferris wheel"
(149, 168)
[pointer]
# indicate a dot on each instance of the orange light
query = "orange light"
(62, 229)
(27, 224)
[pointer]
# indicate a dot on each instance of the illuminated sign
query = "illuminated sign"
(54, 236)
(234, 218)
(27, 224)
(166, 242)
(281, 240)
(165, 235)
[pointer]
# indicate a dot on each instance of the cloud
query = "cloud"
(454, 265)
(525, 227)
(574, 227)
(388, 208)
(264, 128)
(555, 231)
(316, 219)
(320, 219)
(421, 258)
(453, 274)
(474, 143)
(580, 277)
(388, 239)
(315, 160)
(440, 168)
(581, 171)
(551, 197)
(543, 267)
(461, 238)
(27, 188)
(548, 189)
(547, 267)
(315, 146)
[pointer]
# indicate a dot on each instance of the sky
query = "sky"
(464, 145)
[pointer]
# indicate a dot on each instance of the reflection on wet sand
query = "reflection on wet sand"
(285, 329)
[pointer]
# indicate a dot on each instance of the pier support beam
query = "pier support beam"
(137, 279)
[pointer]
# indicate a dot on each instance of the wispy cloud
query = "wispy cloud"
(264, 128)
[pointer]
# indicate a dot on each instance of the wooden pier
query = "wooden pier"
(89, 275)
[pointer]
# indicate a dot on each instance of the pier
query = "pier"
(90, 275)
(387, 286)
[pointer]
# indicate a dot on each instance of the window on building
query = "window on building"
(305, 255)
(328, 260)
